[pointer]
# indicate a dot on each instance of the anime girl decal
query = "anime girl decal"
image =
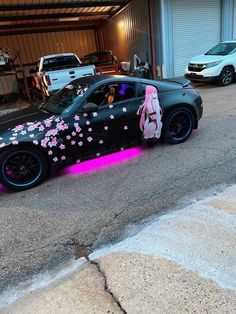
(150, 115)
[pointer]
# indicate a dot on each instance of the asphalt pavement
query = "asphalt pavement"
(76, 212)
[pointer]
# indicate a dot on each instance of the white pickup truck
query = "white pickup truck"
(53, 72)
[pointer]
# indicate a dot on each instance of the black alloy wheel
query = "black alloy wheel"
(178, 126)
(22, 168)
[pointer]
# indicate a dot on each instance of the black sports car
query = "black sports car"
(77, 123)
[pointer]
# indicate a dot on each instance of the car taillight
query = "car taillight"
(47, 80)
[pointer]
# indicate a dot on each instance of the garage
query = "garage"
(234, 21)
(192, 22)
(32, 29)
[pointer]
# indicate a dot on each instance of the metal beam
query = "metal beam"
(63, 5)
(48, 30)
(51, 24)
(4, 18)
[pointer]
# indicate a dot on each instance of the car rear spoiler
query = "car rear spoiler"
(182, 81)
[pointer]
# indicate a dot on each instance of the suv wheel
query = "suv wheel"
(226, 77)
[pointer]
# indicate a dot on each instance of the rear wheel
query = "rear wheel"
(226, 77)
(22, 168)
(178, 126)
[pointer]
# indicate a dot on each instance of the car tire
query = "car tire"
(22, 168)
(178, 125)
(226, 76)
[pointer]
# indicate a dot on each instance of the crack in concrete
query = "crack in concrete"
(106, 288)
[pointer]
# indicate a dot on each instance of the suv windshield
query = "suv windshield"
(222, 49)
(65, 99)
(62, 62)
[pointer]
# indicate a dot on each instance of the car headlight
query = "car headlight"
(212, 64)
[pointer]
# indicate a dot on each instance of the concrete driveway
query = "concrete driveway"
(77, 212)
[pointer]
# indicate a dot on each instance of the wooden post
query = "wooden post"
(24, 78)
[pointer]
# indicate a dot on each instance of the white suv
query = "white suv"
(218, 64)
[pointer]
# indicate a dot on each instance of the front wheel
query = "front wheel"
(226, 77)
(178, 126)
(22, 168)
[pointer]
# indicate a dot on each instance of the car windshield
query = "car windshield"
(222, 49)
(65, 99)
(62, 62)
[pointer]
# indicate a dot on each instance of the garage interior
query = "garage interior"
(30, 29)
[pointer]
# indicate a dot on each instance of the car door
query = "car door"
(85, 135)
(120, 115)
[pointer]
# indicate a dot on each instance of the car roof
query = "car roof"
(229, 41)
(91, 80)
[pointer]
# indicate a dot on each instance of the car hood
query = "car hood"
(31, 114)
(202, 59)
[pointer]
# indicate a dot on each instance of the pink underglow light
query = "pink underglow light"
(2, 189)
(104, 162)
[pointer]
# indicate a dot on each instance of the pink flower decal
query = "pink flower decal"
(88, 123)
(101, 142)
(55, 159)
(106, 128)
(68, 137)
(76, 118)
(62, 146)
(73, 143)
(35, 142)
(15, 142)
(90, 129)
(53, 142)
(89, 139)
(80, 143)
(126, 128)
(81, 135)
(63, 157)
(112, 117)
(18, 128)
(50, 152)
(124, 110)
(44, 142)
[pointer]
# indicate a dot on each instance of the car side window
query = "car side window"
(113, 93)
(142, 89)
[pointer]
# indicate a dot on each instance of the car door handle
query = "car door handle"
(72, 72)
(72, 76)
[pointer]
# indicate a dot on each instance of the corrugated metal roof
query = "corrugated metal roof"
(16, 16)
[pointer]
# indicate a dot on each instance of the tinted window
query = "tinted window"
(142, 89)
(113, 93)
(64, 62)
(65, 99)
(98, 59)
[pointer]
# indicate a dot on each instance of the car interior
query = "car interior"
(112, 93)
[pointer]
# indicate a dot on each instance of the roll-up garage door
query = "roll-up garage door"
(196, 28)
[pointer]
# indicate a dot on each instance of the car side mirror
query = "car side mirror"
(90, 107)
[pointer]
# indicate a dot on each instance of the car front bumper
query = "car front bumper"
(196, 77)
